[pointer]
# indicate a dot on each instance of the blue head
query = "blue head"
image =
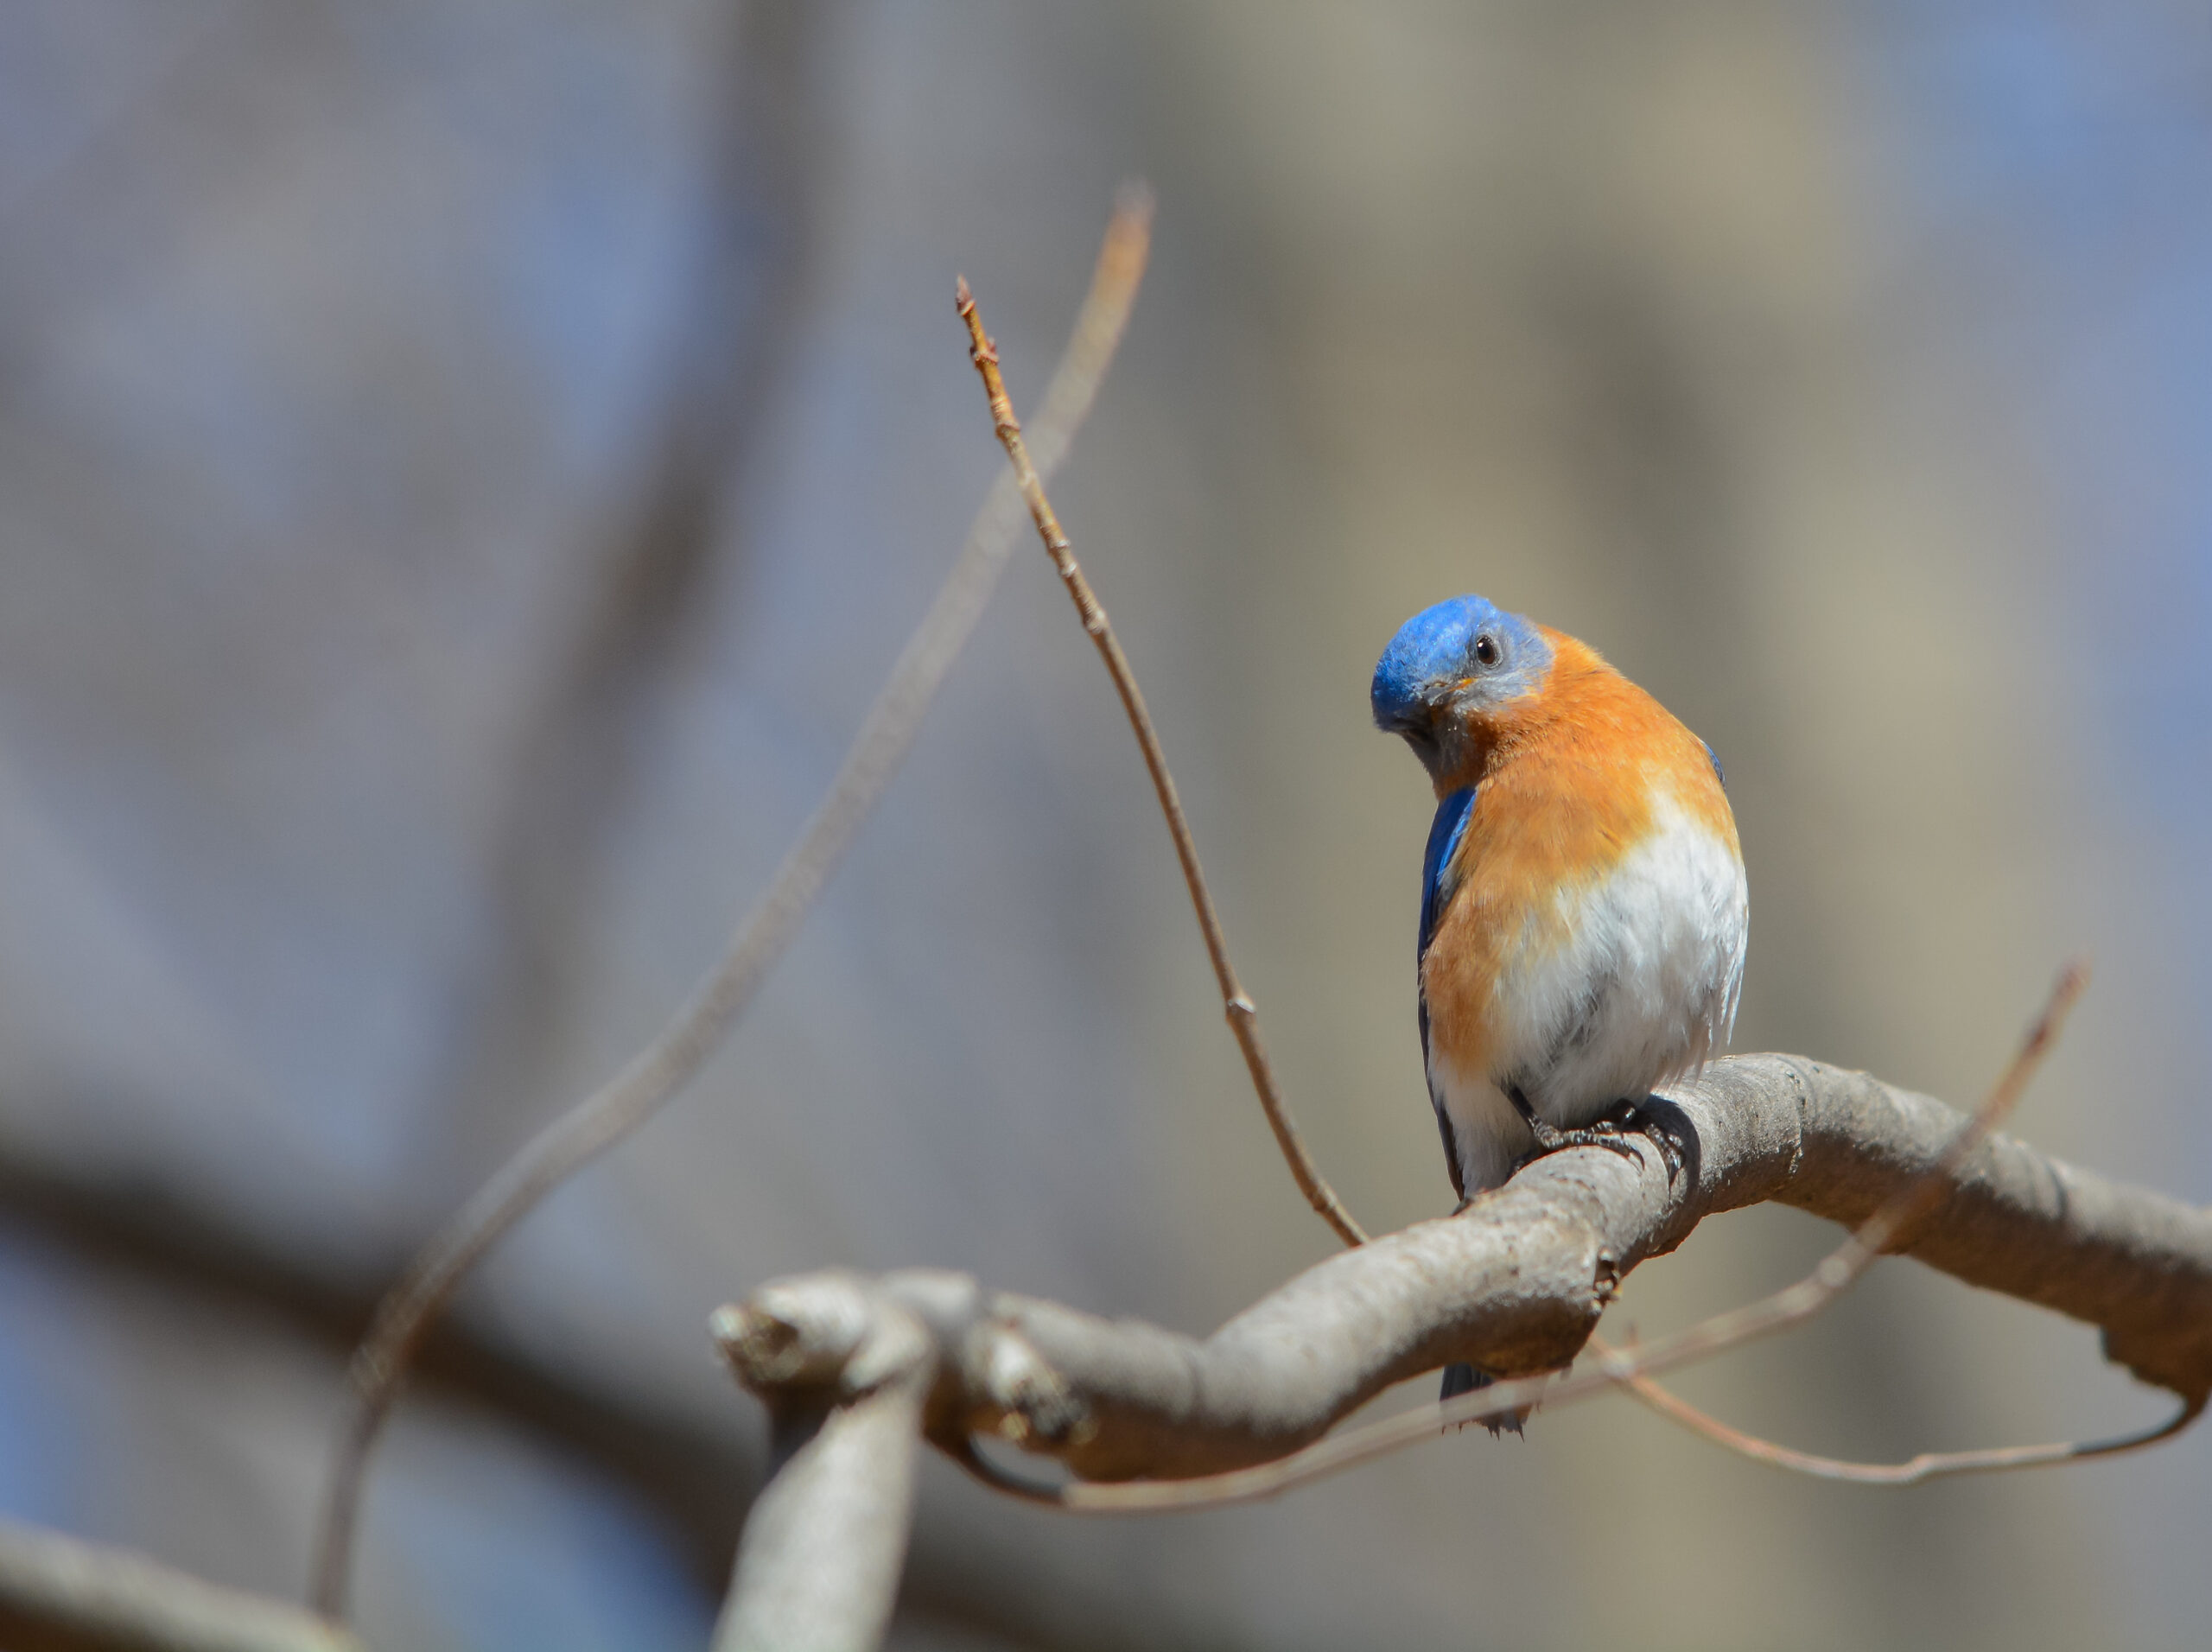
(1450, 665)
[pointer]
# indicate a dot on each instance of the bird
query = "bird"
(1583, 911)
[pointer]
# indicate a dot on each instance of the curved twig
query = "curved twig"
(1928, 1465)
(683, 1046)
(961, 1450)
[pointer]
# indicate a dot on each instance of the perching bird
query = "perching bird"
(1583, 908)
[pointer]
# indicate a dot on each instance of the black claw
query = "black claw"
(1670, 1151)
(1634, 1120)
(1610, 1132)
(1461, 1379)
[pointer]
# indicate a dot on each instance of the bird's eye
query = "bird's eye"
(1486, 650)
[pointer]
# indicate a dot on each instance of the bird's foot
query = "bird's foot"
(1461, 1379)
(1606, 1134)
(1613, 1132)
(1618, 1131)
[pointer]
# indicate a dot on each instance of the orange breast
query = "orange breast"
(1564, 779)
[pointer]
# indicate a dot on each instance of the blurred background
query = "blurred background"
(465, 467)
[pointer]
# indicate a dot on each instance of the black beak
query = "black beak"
(1414, 722)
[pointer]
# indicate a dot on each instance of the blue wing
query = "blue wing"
(1437, 881)
(1714, 757)
(1444, 835)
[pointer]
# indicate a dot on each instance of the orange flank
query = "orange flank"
(1568, 779)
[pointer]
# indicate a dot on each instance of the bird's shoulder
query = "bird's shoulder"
(1598, 732)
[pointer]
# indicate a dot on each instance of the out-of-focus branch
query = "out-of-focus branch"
(682, 1047)
(1236, 1005)
(695, 1475)
(696, 1479)
(60, 1594)
(1517, 1282)
(727, 345)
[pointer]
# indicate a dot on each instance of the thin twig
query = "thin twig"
(1236, 1005)
(698, 1028)
(1928, 1465)
(1787, 1307)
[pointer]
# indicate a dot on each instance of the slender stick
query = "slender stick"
(1928, 1465)
(699, 1028)
(1887, 1226)
(1236, 1005)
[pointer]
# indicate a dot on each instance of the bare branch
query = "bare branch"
(200, 1252)
(698, 1028)
(60, 1594)
(1517, 1282)
(1236, 1004)
(819, 1565)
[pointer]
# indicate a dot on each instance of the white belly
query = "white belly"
(1642, 992)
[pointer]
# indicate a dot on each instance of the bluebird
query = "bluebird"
(1583, 910)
